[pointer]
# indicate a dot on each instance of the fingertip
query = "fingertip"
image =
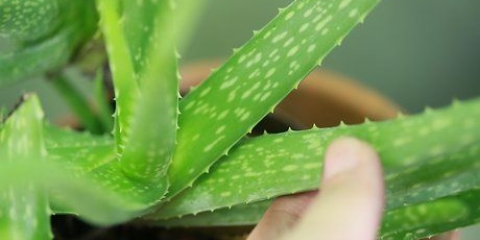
(351, 199)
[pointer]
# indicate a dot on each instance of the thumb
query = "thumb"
(350, 203)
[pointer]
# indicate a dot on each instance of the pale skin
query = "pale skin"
(348, 206)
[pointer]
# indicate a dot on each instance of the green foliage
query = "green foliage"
(259, 74)
(35, 29)
(195, 168)
(21, 141)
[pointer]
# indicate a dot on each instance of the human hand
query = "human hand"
(349, 205)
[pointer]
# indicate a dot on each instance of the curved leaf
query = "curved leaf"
(412, 150)
(24, 210)
(220, 112)
(68, 24)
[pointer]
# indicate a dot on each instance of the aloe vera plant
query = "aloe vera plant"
(185, 161)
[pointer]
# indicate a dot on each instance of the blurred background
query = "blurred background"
(417, 53)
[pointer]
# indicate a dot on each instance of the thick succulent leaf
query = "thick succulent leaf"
(273, 165)
(79, 152)
(121, 66)
(24, 211)
(427, 219)
(27, 176)
(88, 198)
(146, 127)
(416, 203)
(92, 159)
(413, 222)
(435, 179)
(103, 102)
(150, 144)
(239, 215)
(260, 74)
(64, 25)
(28, 19)
(139, 22)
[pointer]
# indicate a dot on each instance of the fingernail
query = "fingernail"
(342, 156)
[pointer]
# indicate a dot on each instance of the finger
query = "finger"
(281, 216)
(351, 200)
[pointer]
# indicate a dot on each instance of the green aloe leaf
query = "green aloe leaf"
(24, 210)
(28, 19)
(238, 215)
(28, 177)
(102, 102)
(143, 63)
(152, 39)
(83, 177)
(144, 146)
(412, 222)
(273, 165)
(427, 219)
(260, 74)
(80, 152)
(126, 87)
(36, 28)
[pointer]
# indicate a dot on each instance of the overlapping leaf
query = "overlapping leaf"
(143, 63)
(24, 210)
(38, 28)
(431, 160)
(254, 79)
(427, 158)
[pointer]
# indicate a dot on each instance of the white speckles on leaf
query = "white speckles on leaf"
(223, 114)
(323, 23)
(289, 15)
(344, 4)
(220, 129)
(225, 194)
(205, 92)
(304, 27)
(289, 42)
(279, 37)
(247, 94)
(300, 5)
(265, 96)
(290, 168)
(210, 146)
(255, 60)
(254, 74)
(270, 72)
(232, 95)
(273, 53)
(242, 58)
(325, 31)
(353, 13)
(293, 51)
(228, 83)
(267, 35)
(308, 12)
(244, 116)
